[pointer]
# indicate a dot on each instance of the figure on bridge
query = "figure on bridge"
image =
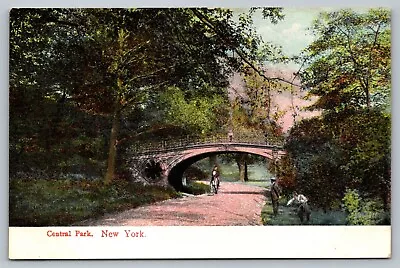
(230, 135)
(275, 193)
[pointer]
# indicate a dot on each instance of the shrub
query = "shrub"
(364, 212)
(196, 188)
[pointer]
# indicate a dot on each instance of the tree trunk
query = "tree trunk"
(112, 153)
(368, 98)
(212, 161)
(241, 165)
(241, 171)
(246, 177)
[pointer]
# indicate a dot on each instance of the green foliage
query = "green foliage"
(263, 111)
(196, 188)
(38, 202)
(286, 174)
(338, 151)
(288, 216)
(114, 63)
(348, 65)
(348, 68)
(363, 212)
(197, 172)
(351, 200)
(61, 140)
(314, 161)
(200, 115)
(366, 138)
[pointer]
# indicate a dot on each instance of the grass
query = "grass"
(288, 216)
(257, 172)
(196, 188)
(41, 202)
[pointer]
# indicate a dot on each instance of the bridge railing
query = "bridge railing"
(193, 141)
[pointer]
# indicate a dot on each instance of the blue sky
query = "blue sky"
(291, 33)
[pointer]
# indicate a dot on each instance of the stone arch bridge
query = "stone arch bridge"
(164, 163)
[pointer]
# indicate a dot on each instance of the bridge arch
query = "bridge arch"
(175, 168)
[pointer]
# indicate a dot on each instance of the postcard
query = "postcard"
(199, 133)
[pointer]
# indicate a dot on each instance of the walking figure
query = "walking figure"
(275, 194)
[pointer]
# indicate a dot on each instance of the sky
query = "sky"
(293, 35)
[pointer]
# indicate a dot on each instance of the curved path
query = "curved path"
(235, 204)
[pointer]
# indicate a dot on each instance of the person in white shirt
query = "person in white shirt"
(303, 210)
(297, 198)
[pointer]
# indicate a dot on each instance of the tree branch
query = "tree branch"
(357, 65)
(130, 101)
(241, 54)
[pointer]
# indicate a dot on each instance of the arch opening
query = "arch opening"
(176, 173)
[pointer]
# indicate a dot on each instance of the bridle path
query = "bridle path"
(236, 204)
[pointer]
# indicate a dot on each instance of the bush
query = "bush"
(196, 188)
(364, 212)
(195, 173)
(330, 217)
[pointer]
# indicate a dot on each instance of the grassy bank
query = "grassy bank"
(63, 202)
(196, 188)
(288, 216)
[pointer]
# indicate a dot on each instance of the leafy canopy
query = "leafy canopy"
(348, 65)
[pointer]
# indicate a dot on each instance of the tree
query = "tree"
(38, 88)
(166, 56)
(200, 116)
(125, 56)
(315, 159)
(255, 114)
(365, 137)
(348, 68)
(114, 63)
(261, 106)
(349, 62)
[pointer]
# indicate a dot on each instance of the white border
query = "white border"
(6, 5)
(189, 242)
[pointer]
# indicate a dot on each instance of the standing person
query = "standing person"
(230, 135)
(275, 194)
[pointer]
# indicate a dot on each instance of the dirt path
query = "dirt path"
(235, 204)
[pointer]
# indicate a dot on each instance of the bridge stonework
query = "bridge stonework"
(166, 166)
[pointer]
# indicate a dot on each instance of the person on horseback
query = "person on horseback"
(215, 175)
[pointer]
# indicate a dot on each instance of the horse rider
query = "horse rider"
(215, 175)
